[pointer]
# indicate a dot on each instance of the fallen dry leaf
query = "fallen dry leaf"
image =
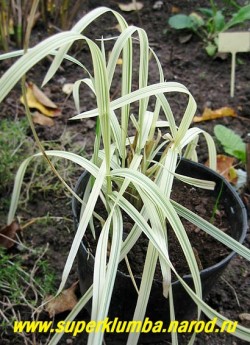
(8, 234)
(65, 301)
(42, 120)
(185, 38)
(41, 97)
(225, 167)
(132, 6)
(38, 100)
(209, 114)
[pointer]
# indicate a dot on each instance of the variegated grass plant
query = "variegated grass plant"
(121, 162)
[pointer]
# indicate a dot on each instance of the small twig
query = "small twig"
(131, 274)
(4, 316)
(243, 118)
(234, 292)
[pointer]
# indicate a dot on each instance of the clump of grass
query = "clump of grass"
(22, 272)
(14, 147)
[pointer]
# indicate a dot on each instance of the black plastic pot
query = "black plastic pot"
(124, 296)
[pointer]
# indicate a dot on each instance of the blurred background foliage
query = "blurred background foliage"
(51, 15)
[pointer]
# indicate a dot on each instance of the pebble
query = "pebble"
(158, 5)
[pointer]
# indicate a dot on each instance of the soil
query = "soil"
(207, 78)
(207, 251)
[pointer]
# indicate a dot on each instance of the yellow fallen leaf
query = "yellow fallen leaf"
(42, 120)
(63, 302)
(38, 100)
(209, 114)
(132, 6)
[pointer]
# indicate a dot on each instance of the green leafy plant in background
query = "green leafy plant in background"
(208, 23)
(14, 146)
(123, 164)
(231, 142)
